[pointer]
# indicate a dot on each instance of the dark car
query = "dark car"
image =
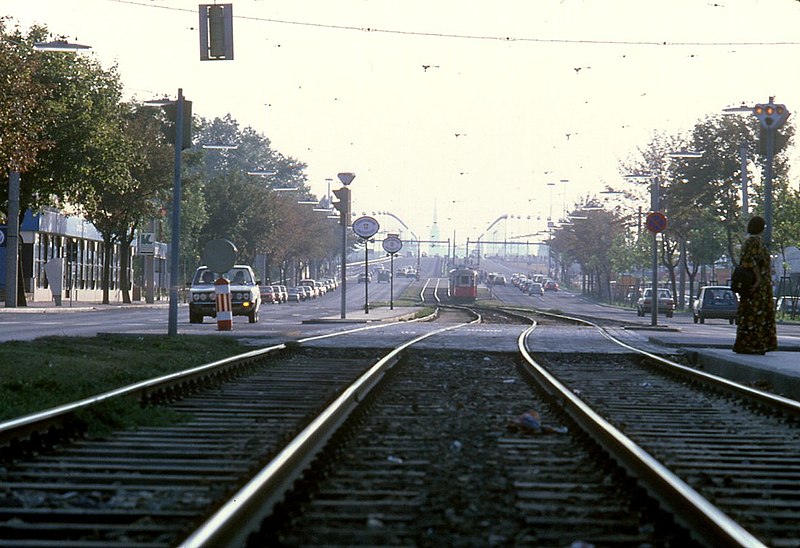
(551, 285)
(715, 301)
(384, 276)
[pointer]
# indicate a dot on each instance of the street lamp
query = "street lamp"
(182, 108)
(12, 220)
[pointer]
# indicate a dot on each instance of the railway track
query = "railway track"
(430, 447)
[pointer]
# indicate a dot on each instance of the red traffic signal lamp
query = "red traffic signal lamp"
(770, 115)
(343, 205)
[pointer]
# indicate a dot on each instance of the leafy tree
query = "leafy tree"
(130, 183)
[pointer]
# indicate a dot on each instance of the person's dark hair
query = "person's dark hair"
(756, 225)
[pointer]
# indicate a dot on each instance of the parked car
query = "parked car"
(788, 306)
(295, 294)
(284, 293)
(715, 301)
(268, 294)
(245, 293)
(665, 302)
(309, 282)
(536, 288)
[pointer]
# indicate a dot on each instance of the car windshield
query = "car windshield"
(240, 276)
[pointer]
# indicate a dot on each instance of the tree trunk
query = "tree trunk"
(124, 264)
(109, 255)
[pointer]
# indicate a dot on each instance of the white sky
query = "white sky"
(341, 98)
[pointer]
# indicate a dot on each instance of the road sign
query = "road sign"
(656, 222)
(392, 244)
(219, 255)
(147, 243)
(366, 227)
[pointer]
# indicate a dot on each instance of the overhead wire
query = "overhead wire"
(572, 41)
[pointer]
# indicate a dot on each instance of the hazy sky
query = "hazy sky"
(471, 104)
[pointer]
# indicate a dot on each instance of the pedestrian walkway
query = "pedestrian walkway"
(43, 307)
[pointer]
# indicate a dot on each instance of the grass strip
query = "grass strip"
(50, 371)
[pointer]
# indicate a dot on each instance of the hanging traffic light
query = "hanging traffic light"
(171, 110)
(343, 205)
(770, 115)
(216, 32)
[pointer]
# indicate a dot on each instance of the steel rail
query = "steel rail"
(784, 404)
(42, 422)
(243, 513)
(701, 517)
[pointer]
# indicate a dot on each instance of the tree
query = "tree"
(131, 182)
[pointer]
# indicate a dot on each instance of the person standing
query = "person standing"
(756, 332)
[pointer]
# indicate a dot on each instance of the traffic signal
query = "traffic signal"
(343, 205)
(770, 115)
(171, 110)
(216, 32)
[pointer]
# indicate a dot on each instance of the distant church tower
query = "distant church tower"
(434, 230)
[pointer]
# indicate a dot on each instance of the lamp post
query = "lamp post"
(182, 107)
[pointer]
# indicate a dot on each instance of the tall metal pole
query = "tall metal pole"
(655, 190)
(391, 281)
(770, 143)
(743, 160)
(174, 278)
(12, 240)
(344, 268)
(366, 276)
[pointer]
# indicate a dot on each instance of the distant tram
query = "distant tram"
(463, 285)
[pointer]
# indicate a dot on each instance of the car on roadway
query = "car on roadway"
(384, 276)
(245, 293)
(665, 302)
(295, 295)
(715, 301)
(536, 289)
(269, 294)
(364, 277)
(551, 285)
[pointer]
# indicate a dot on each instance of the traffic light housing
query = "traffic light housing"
(770, 115)
(343, 205)
(171, 110)
(216, 32)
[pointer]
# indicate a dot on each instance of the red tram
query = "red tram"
(463, 284)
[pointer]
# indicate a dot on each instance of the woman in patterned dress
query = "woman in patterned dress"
(756, 332)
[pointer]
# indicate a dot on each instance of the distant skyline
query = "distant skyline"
(472, 106)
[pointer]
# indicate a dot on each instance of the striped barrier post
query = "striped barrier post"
(222, 291)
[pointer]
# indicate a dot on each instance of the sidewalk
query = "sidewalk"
(44, 307)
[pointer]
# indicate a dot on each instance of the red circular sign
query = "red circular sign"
(656, 222)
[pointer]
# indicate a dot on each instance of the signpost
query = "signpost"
(366, 227)
(656, 222)
(392, 245)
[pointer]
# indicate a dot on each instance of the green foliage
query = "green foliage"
(40, 374)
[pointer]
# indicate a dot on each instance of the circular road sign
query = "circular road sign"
(219, 255)
(656, 222)
(392, 244)
(366, 227)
